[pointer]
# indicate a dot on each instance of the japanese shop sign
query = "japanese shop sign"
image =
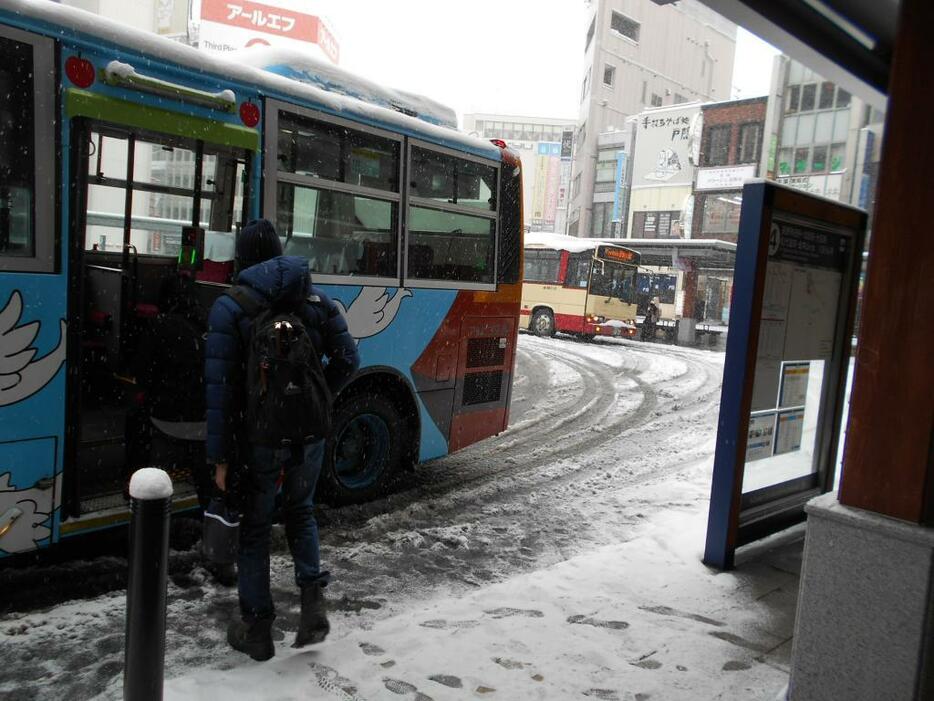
(664, 141)
(728, 178)
(228, 25)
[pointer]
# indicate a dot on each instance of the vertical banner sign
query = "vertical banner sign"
(551, 184)
(538, 191)
(619, 191)
(791, 319)
(567, 145)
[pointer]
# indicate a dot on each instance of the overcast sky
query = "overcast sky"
(521, 57)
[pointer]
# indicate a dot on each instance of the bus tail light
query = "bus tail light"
(499, 142)
(80, 71)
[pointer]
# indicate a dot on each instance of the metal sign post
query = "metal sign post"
(797, 269)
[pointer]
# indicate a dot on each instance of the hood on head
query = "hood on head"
(281, 280)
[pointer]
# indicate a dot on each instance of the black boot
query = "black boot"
(252, 636)
(314, 626)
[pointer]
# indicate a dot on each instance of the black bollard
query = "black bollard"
(144, 653)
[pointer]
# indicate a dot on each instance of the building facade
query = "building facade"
(544, 145)
(637, 55)
(820, 138)
(730, 153)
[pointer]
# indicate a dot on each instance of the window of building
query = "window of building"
(721, 213)
(590, 32)
(542, 266)
(624, 25)
(784, 161)
(572, 228)
(819, 159)
(678, 99)
(808, 96)
(576, 186)
(794, 94)
(609, 73)
(585, 86)
(645, 87)
(656, 225)
(606, 167)
(718, 145)
(602, 214)
(837, 157)
(656, 100)
(749, 139)
(843, 98)
(825, 100)
(578, 274)
(801, 160)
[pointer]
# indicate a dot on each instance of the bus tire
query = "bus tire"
(365, 450)
(543, 322)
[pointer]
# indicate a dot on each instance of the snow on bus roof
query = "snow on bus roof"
(560, 242)
(71, 22)
(298, 65)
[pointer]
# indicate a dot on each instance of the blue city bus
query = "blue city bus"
(127, 165)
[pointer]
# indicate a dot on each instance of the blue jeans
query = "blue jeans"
(301, 469)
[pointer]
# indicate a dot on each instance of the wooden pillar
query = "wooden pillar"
(888, 461)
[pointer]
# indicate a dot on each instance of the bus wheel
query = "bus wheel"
(543, 323)
(365, 449)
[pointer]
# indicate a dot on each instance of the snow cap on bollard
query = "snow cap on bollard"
(149, 483)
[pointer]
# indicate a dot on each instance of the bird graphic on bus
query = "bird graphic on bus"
(23, 513)
(372, 311)
(21, 374)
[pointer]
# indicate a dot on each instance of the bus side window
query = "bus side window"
(27, 157)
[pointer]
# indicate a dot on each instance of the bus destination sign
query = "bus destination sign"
(618, 254)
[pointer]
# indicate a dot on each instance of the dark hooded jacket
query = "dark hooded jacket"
(283, 280)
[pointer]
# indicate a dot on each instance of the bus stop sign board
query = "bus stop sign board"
(787, 355)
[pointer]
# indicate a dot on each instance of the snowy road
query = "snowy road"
(590, 421)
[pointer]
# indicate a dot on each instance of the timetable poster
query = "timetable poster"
(794, 385)
(761, 436)
(789, 431)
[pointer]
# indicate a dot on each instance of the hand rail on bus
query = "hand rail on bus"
(124, 75)
(171, 226)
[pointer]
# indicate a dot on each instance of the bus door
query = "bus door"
(32, 297)
(149, 208)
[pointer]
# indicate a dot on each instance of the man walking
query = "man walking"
(272, 291)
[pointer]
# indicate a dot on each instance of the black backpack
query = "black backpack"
(287, 399)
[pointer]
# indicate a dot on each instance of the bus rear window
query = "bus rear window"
(450, 246)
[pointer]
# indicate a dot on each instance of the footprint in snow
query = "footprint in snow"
(398, 686)
(647, 664)
(442, 624)
(508, 664)
(666, 611)
(589, 621)
(506, 612)
(736, 666)
(602, 694)
(370, 649)
(330, 680)
(448, 680)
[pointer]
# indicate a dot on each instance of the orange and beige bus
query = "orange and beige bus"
(578, 286)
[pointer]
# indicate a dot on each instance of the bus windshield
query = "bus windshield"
(613, 280)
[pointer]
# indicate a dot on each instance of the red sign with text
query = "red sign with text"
(258, 17)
